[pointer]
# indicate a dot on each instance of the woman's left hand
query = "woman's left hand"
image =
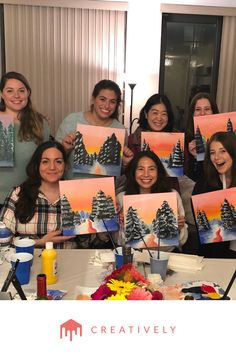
(127, 156)
(181, 222)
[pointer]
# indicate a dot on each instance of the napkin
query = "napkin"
(102, 257)
(185, 262)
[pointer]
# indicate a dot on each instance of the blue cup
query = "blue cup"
(23, 268)
(119, 258)
(25, 245)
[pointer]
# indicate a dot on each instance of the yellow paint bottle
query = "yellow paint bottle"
(49, 263)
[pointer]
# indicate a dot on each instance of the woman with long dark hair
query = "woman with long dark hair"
(202, 104)
(219, 173)
(33, 209)
(146, 174)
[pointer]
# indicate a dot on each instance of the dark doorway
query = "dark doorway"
(190, 53)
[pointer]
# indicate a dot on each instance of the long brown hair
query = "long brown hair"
(31, 121)
(190, 125)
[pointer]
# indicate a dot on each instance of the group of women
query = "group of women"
(29, 191)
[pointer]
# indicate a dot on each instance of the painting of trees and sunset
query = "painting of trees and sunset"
(6, 141)
(206, 126)
(88, 206)
(98, 150)
(169, 147)
(215, 215)
(149, 215)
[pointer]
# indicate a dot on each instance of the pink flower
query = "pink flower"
(139, 294)
(102, 293)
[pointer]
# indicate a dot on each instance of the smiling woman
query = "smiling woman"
(104, 112)
(219, 173)
(33, 209)
(30, 127)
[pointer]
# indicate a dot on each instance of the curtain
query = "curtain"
(226, 90)
(64, 53)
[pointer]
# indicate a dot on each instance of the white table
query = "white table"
(74, 270)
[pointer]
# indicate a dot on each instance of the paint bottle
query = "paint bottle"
(49, 263)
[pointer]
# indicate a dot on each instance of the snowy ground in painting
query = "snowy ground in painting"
(173, 172)
(90, 226)
(98, 169)
(209, 235)
(151, 241)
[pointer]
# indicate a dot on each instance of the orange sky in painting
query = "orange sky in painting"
(94, 136)
(147, 204)
(208, 126)
(80, 192)
(215, 199)
(6, 120)
(162, 143)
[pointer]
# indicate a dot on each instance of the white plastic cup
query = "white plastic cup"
(159, 266)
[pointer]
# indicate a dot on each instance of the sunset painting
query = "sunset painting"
(98, 150)
(206, 126)
(149, 215)
(88, 206)
(6, 141)
(215, 215)
(169, 147)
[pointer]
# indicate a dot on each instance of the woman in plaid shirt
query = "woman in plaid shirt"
(33, 209)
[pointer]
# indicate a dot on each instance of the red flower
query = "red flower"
(102, 293)
(157, 295)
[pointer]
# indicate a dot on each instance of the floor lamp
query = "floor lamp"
(132, 86)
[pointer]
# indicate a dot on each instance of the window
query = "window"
(190, 52)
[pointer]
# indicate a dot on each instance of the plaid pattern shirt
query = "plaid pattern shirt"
(47, 216)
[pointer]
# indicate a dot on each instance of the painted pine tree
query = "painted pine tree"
(165, 223)
(81, 155)
(133, 225)
(67, 213)
(229, 127)
(145, 146)
(110, 151)
(102, 207)
(202, 220)
(228, 215)
(200, 145)
(177, 157)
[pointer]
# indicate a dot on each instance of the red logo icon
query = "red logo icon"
(71, 326)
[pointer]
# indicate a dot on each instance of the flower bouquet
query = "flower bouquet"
(126, 283)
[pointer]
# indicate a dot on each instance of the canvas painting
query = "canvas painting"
(98, 150)
(88, 206)
(215, 215)
(149, 215)
(6, 141)
(205, 126)
(169, 147)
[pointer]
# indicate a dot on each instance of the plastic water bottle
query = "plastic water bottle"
(49, 263)
(5, 235)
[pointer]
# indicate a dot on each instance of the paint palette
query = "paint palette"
(202, 290)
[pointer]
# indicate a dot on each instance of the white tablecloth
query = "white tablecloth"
(74, 270)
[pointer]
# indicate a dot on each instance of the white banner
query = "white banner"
(112, 327)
